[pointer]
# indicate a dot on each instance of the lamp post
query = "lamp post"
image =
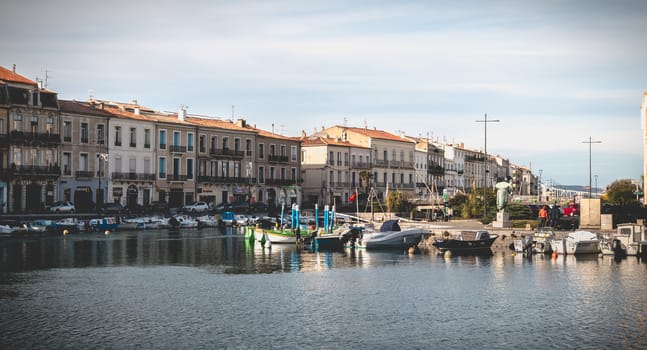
(590, 142)
(539, 189)
(485, 121)
(596, 185)
(101, 157)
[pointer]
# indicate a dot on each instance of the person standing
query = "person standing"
(543, 216)
(555, 214)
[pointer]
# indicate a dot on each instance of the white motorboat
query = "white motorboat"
(390, 235)
(626, 241)
(577, 242)
(207, 221)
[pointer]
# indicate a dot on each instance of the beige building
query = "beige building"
(29, 144)
(392, 156)
(332, 169)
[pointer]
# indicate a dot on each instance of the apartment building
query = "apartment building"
(83, 154)
(29, 144)
(392, 156)
(226, 162)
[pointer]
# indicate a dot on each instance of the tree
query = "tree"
(621, 192)
(365, 177)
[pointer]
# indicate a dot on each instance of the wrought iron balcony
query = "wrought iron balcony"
(131, 176)
(277, 159)
(177, 149)
(84, 174)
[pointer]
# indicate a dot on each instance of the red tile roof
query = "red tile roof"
(376, 134)
(320, 141)
(8, 75)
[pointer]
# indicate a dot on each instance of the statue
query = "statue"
(503, 190)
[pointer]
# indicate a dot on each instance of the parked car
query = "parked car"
(196, 207)
(112, 208)
(62, 207)
(236, 207)
(157, 207)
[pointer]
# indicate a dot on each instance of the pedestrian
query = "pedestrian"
(555, 214)
(543, 216)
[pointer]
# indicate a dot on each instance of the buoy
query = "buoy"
(412, 250)
(448, 254)
(107, 232)
(514, 254)
(554, 255)
(65, 232)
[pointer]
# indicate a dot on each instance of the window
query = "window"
(293, 153)
(331, 158)
(147, 166)
(237, 144)
(345, 158)
(189, 142)
(50, 124)
(176, 138)
(282, 174)
(147, 138)
(225, 143)
(248, 147)
(214, 144)
(261, 151)
(161, 168)
(338, 158)
(133, 137)
(84, 133)
(272, 171)
(117, 162)
(100, 133)
(34, 123)
(203, 146)
(272, 150)
(261, 174)
(117, 135)
(293, 174)
(132, 165)
(17, 122)
(67, 131)
(189, 169)
(162, 141)
(67, 163)
(283, 151)
(83, 162)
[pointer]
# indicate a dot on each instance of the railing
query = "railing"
(117, 175)
(176, 177)
(226, 152)
(279, 182)
(279, 159)
(360, 165)
(436, 170)
(177, 149)
(133, 144)
(43, 138)
(162, 146)
(35, 170)
(226, 179)
(381, 163)
(117, 143)
(84, 174)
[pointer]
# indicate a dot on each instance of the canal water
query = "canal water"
(210, 289)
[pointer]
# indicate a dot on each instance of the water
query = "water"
(209, 289)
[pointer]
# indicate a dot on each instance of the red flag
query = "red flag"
(352, 197)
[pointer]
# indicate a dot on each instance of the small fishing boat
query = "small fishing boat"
(625, 242)
(183, 221)
(207, 221)
(103, 224)
(269, 230)
(467, 242)
(577, 242)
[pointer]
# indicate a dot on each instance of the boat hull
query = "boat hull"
(278, 237)
(391, 239)
(459, 246)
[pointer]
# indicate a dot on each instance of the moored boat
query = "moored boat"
(625, 242)
(467, 242)
(390, 236)
(577, 242)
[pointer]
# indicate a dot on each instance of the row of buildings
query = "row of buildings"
(99, 151)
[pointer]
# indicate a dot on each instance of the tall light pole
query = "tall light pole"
(590, 142)
(485, 121)
(539, 192)
(596, 185)
(102, 159)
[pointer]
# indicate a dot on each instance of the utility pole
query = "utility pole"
(590, 142)
(485, 161)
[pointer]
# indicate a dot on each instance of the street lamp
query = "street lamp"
(485, 121)
(590, 142)
(101, 157)
(539, 188)
(596, 185)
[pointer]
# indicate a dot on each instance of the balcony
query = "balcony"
(381, 163)
(360, 165)
(226, 179)
(226, 153)
(277, 159)
(43, 139)
(177, 149)
(279, 182)
(436, 170)
(176, 177)
(84, 174)
(132, 176)
(36, 170)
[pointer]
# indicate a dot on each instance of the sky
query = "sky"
(553, 73)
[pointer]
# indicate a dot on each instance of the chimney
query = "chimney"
(14, 68)
(136, 110)
(241, 123)
(303, 134)
(181, 114)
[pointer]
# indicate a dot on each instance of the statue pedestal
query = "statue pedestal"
(502, 220)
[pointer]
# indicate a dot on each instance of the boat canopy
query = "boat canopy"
(390, 225)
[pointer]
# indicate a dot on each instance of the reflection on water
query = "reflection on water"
(213, 289)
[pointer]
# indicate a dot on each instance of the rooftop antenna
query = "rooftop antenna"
(232, 112)
(91, 94)
(345, 121)
(46, 77)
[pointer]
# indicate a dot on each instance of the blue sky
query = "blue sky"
(553, 72)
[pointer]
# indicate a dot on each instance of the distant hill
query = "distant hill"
(579, 188)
